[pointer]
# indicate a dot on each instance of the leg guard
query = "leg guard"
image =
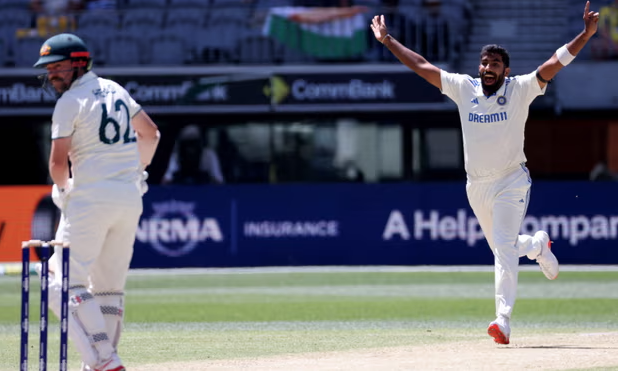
(86, 323)
(112, 308)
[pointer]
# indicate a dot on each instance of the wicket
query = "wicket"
(25, 303)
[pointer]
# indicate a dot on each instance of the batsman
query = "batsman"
(109, 141)
(493, 110)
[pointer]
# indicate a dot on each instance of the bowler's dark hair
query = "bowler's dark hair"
(497, 49)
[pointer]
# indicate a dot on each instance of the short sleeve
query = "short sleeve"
(452, 84)
(529, 86)
(64, 118)
(134, 107)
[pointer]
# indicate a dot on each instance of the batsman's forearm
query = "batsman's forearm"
(59, 173)
(406, 56)
(147, 146)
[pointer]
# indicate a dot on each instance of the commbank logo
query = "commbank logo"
(277, 91)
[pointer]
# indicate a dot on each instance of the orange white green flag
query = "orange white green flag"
(324, 33)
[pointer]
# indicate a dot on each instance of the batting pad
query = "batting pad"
(112, 308)
(87, 328)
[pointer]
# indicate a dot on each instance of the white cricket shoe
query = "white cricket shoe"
(112, 364)
(546, 258)
(500, 330)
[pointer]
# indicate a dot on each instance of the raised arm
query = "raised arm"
(412, 60)
(565, 54)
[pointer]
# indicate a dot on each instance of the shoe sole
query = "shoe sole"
(549, 248)
(119, 368)
(495, 332)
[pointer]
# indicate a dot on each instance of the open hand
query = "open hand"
(591, 20)
(378, 26)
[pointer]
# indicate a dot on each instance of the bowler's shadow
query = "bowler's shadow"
(556, 347)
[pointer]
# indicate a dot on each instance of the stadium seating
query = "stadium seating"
(128, 50)
(14, 4)
(217, 43)
(530, 30)
(10, 21)
(27, 51)
(175, 4)
(223, 31)
(167, 49)
(256, 50)
(146, 4)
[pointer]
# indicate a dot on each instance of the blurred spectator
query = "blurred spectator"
(600, 172)
(235, 165)
(352, 173)
(192, 162)
(605, 46)
(56, 7)
(434, 31)
(55, 16)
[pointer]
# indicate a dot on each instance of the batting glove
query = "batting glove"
(143, 184)
(59, 195)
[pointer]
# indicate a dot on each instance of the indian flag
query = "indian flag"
(325, 33)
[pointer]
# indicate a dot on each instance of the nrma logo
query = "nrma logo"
(174, 229)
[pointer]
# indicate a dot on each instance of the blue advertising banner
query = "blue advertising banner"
(360, 224)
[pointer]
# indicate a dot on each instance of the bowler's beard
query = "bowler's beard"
(489, 90)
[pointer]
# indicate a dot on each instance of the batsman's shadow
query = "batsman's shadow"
(558, 347)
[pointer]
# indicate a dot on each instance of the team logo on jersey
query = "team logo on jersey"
(45, 50)
(501, 100)
(102, 93)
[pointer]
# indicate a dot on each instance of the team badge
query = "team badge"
(501, 100)
(45, 50)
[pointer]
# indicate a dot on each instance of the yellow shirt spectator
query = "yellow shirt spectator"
(608, 20)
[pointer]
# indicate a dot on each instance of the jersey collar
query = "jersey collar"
(84, 79)
(499, 92)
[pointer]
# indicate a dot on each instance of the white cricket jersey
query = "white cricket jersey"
(493, 127)
(97, 114)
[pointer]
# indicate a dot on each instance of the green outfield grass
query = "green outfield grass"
(214, 316)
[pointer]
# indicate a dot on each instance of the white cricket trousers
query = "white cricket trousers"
(101, 230)
(500, 204)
